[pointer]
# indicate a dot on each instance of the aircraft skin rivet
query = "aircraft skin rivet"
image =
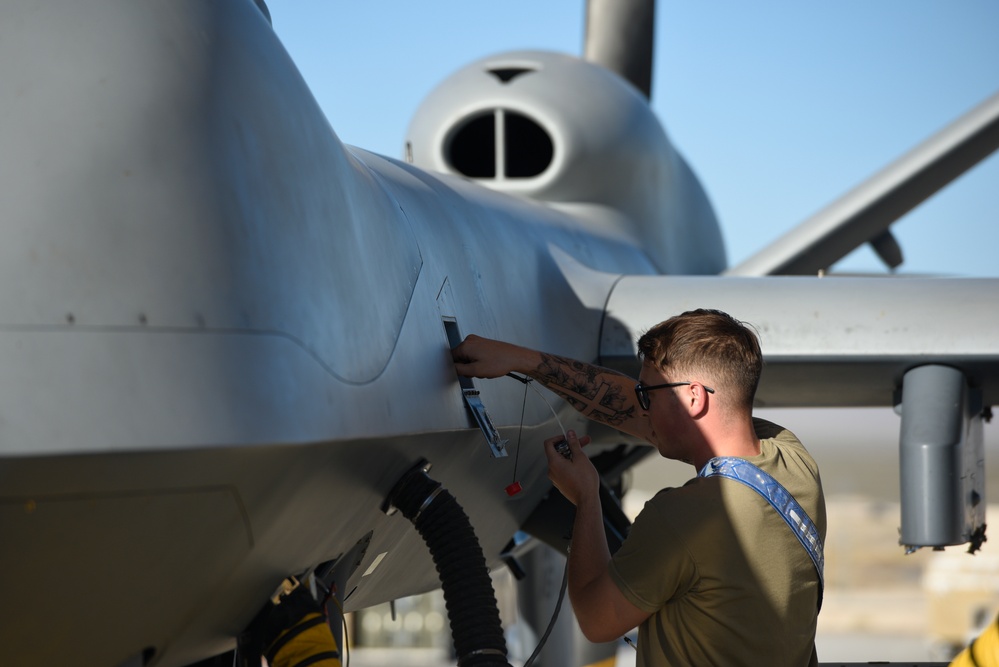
(30, 506)
(142, 319)
(70, 318)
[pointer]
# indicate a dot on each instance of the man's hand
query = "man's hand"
(574, 477)
(486, 358)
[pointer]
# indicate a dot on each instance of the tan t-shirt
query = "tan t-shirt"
(725, 579)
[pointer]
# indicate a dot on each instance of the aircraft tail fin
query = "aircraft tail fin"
(620, 36)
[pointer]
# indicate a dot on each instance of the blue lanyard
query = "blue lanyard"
(787, 507)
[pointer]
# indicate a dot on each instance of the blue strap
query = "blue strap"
(779, 498)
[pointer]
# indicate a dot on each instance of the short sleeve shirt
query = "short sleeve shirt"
(725, 579)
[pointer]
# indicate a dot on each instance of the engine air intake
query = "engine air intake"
(502, 144)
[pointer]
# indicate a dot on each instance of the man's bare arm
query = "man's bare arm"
(601, 394)
(602, 610)
(598, 393)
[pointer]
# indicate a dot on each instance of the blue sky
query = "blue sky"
(780, 107)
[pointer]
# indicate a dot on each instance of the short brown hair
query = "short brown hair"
(708, 341)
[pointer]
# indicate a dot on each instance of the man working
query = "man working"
(711, 573)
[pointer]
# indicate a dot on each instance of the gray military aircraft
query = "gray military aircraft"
(225, 335)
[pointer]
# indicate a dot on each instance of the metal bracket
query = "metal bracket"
(497, 445)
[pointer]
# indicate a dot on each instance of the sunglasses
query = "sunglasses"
(642, 391)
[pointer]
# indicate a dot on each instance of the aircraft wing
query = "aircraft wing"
(828, 341)
(865, 214)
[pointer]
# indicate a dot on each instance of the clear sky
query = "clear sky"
(779, 106)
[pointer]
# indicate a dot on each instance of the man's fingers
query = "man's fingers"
(549, 446)
(565, 446)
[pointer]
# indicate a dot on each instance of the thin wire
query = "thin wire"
(520, 432)
(346, 639)
(551, 623)
(330, 597)
(565, 574)
(530, 382)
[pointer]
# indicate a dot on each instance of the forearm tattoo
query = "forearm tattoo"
(586, 388)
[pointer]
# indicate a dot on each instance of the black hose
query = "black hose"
(468, 590)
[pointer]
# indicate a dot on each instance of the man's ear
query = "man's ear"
(697, 399)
